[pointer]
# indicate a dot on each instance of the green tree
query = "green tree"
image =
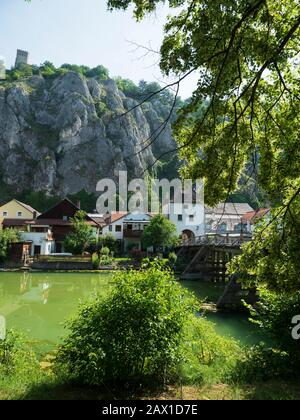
(133, 334)
(110, 242)
(7, 237)
(100, 71)
(245, 53)
(160, 233)
(81, 236)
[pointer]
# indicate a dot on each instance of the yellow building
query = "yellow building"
(14, 209)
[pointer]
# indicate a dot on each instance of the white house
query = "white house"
(127, 228)
(188, 218)
(41, 242)
(226, 217)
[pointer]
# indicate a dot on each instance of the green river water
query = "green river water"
(39, 303)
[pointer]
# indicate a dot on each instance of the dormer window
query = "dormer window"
(65, 218)
(5, 214)
(19, 214)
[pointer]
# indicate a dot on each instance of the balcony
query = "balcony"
(135, 234)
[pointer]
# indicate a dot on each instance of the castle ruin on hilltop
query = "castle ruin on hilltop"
(22, 58)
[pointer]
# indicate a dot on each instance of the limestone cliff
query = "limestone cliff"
(63, 135)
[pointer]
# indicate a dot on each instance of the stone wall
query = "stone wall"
(62, 265)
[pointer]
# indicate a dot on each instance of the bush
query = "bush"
(137, 254)
(274, 315)
(96, 261)
(105, 251)
(261, 363)
(172, 258)
(110, 242)
(132, 335)
(7, 237)
(209, 357)
(18, 364)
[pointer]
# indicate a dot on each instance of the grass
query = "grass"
(51, 388)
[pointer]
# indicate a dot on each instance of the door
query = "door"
(58, 248)
(37, 250)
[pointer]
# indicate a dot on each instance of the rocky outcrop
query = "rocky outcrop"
(63, 135)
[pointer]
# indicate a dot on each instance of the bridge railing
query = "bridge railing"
(226, 239)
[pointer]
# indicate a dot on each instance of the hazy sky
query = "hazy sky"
(84, 32)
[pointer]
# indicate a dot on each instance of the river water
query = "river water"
(39, 303)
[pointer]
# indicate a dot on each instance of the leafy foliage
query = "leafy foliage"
(110, 242)
(273, 256)
(7, 237)
(81, 237)
(160, 233)
(246, 55)
(274, 315)
(133, 334)
(209, 357)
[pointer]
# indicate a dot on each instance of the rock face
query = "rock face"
(64, 135)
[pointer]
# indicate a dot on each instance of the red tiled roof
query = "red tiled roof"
(253, 216)
(115, 216)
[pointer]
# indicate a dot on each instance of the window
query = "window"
(65, 218)
(118, 228)
(110, 228)
(191, 217)
(223, 227)
(5, 214)
(179, 217)
(19, 214)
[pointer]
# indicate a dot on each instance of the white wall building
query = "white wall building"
(188, 218)
(226, 217)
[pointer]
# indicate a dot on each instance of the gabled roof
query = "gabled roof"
(253, 216)
(115, 216)
(26, 206)
(233, 209)
(52, 216)
(60, 203)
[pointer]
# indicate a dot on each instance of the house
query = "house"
(226, 217)
(127, 228)
(40, 236)
(58, 219)
(15, 209)
(48, 231)
(251, 218)
(188, 219)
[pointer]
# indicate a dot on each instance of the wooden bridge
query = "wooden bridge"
(206, 257)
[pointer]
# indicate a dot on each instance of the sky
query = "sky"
(84, 32)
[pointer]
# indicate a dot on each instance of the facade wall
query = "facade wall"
(223, 222)
(39, 239)
(180, 215)
(112, 230)
(12, 209)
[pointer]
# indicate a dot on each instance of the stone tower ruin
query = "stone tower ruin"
(22, 58)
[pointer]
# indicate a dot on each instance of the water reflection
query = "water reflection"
(39, 304)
